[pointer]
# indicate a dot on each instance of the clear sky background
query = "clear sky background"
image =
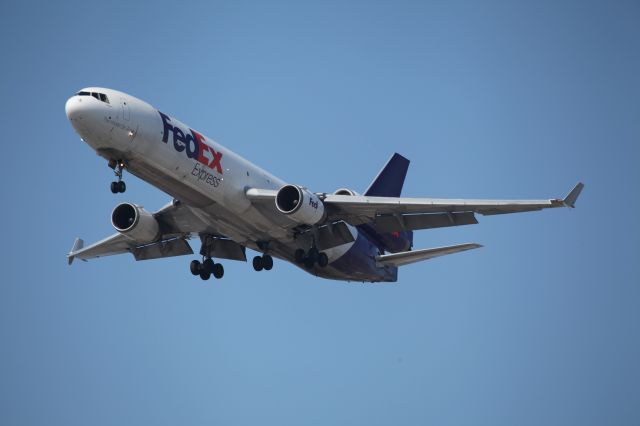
(496, 99)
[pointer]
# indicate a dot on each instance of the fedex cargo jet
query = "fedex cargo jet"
(229, 203)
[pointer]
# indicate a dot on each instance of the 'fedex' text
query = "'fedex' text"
(192, 144)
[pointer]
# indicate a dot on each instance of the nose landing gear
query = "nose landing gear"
(119, 185)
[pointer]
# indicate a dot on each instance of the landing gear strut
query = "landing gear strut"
(206, 268)
(119, 185)
(311, 257)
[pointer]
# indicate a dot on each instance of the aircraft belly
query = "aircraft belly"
(237, 220)
(169, 183)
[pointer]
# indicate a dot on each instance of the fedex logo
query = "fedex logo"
(313, 203)
(191, 143)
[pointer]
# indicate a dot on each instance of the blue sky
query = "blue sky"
(494, 99)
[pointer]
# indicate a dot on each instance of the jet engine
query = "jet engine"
(300, 204)
(345, 191)
(135, 223)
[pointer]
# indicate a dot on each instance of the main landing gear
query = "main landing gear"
(206, 268)
(263, 262)
(119, 185)
(311, 257)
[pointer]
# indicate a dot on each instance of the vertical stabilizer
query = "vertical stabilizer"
(389, 181)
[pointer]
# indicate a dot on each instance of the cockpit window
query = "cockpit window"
(99, 96)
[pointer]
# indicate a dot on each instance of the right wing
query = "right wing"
(177, 223)
(118, 243)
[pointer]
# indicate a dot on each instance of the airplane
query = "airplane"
(230, 204)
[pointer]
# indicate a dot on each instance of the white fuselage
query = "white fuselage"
(210, 178)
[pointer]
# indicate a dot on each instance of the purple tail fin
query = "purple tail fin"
(389, 183)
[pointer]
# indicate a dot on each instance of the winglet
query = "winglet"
(572, 197)
(77, 245)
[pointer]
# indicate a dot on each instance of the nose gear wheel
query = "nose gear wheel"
(119, 185)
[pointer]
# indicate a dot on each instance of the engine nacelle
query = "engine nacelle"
(345, 191)
(135, 223)
(301, 205)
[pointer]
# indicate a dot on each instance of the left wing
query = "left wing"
(362, 209)
(393, 213)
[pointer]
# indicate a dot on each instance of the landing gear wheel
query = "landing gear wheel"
(257, 263)
(195, 267)
(218, 270)
(323, 260)
(298, 255)
(205, 275)
(208, 265)
(267, 262)
(118, 167)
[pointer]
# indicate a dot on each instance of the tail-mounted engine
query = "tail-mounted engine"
(300, 204)
(345, 191)
(135, 223)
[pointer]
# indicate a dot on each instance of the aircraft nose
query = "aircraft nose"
(73, 108)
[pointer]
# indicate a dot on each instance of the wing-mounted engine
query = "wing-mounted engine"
(345, 191)
(300, 205)
(135, 223)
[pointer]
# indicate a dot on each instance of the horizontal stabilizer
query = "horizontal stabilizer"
(407, 257)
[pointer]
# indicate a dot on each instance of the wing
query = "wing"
(178, 223)
(394, 213)
(362, 209)
(118, 243)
